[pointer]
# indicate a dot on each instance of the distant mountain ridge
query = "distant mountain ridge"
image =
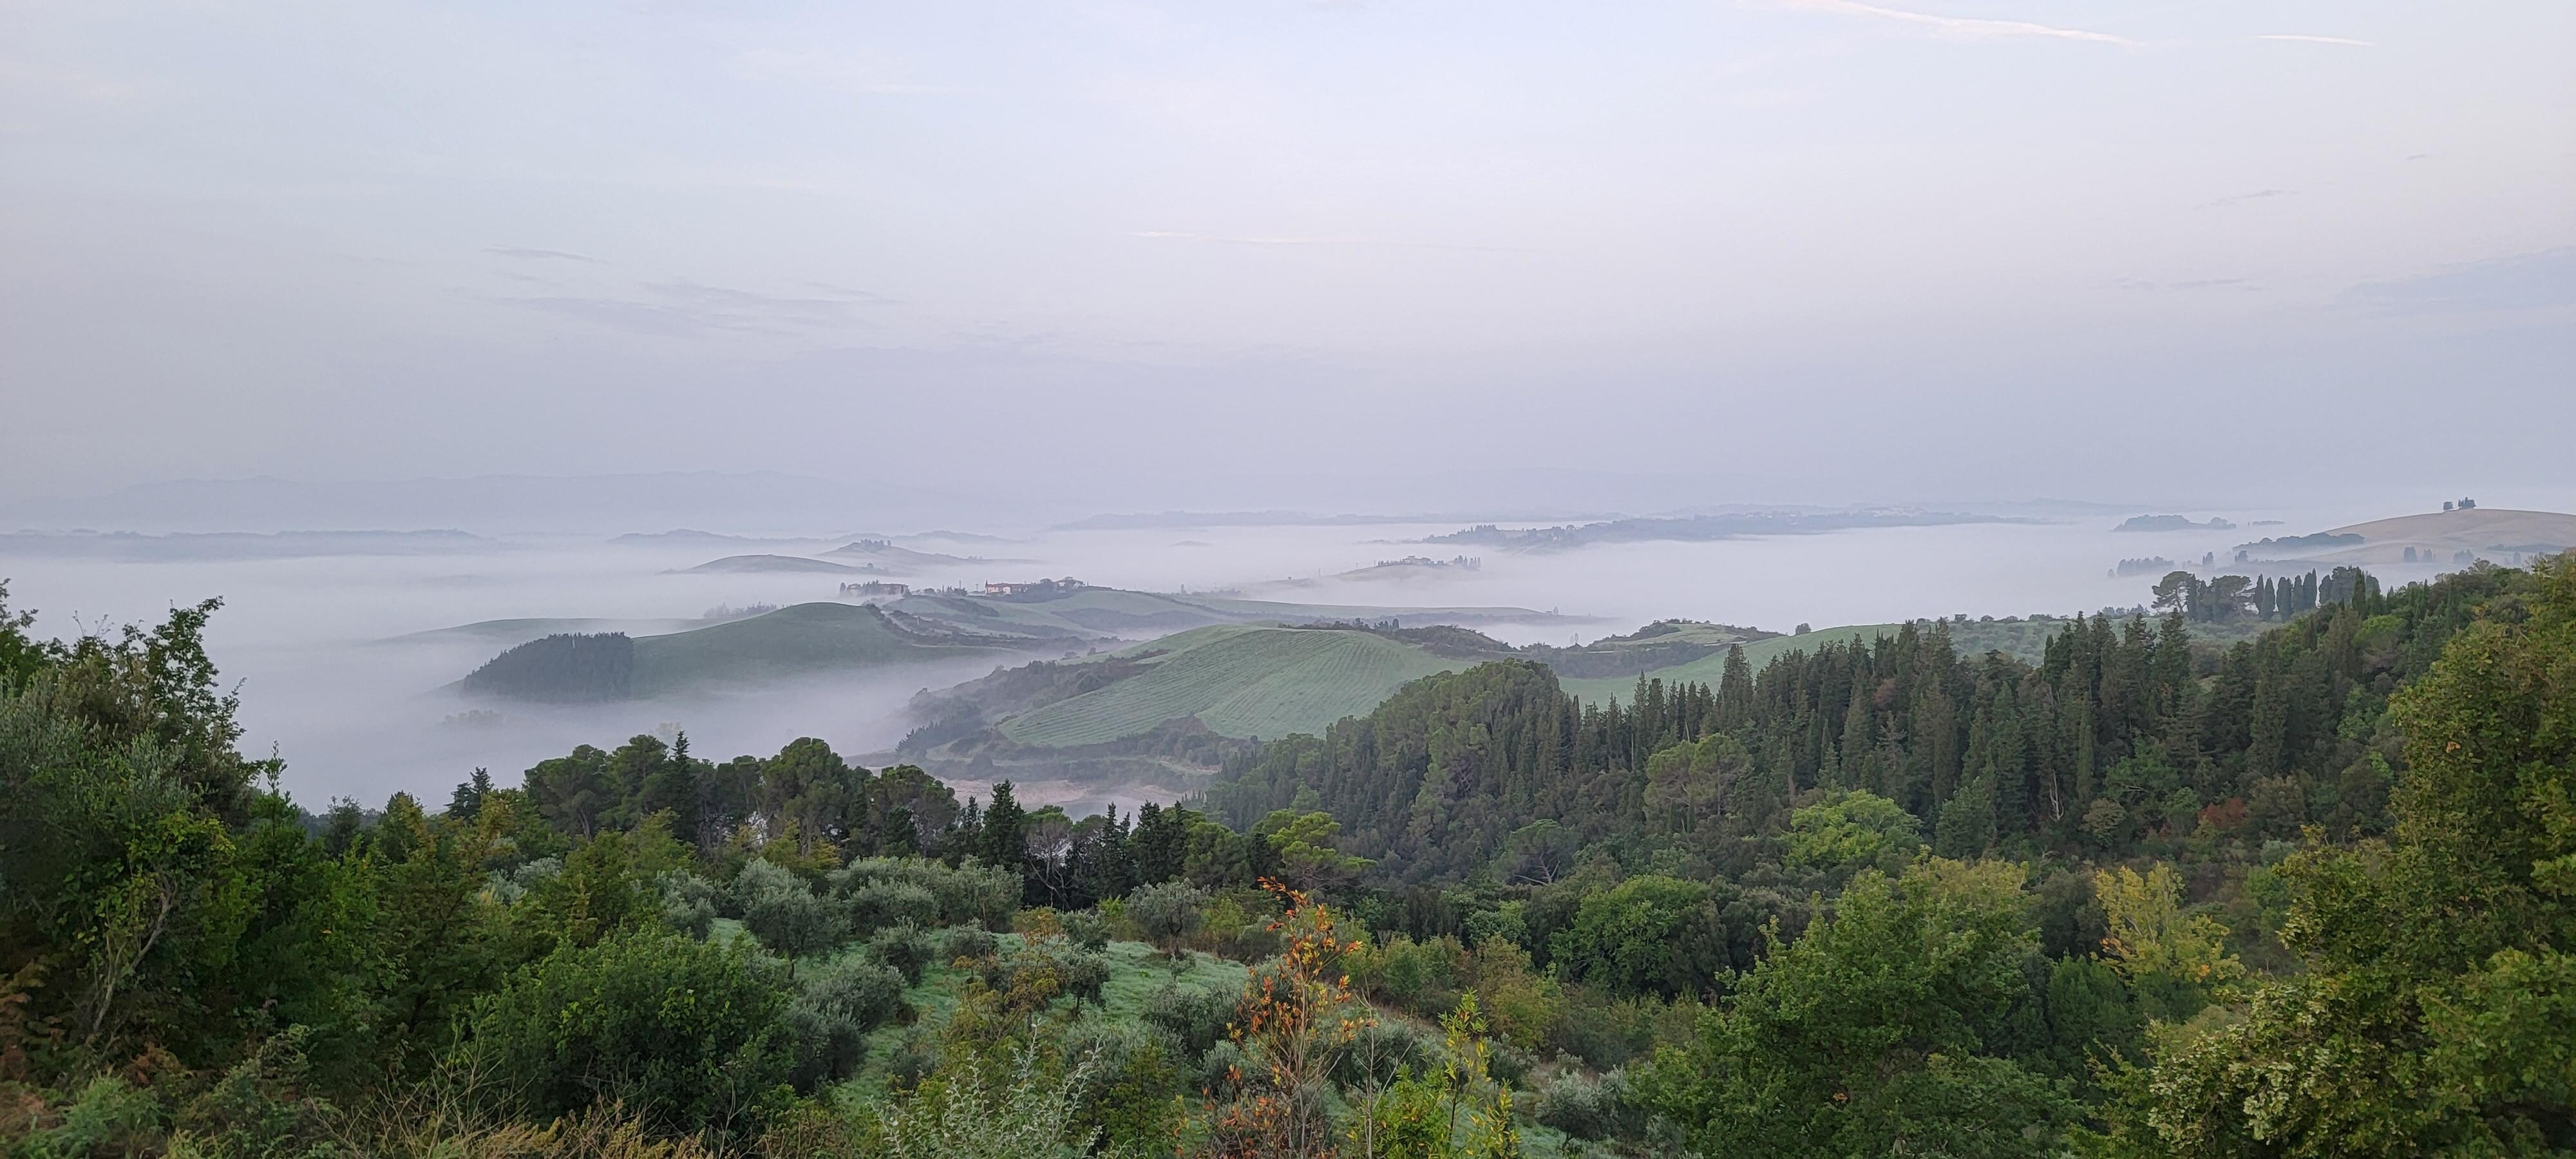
(1709, 527)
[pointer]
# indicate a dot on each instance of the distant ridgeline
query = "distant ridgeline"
(754, 644)
(2172, 523)
(2119, 732)
(1707, 527)
(2317, 542)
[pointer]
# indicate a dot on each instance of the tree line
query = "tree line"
(2220, 599)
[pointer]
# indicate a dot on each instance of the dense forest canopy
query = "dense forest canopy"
(2304, 894)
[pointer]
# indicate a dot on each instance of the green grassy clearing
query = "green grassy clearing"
(1242, 682)
(792, 641)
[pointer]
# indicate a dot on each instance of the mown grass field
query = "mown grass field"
(1238, 681)
(792, 641)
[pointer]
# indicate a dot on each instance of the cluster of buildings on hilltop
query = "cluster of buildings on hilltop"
(1044, 587)
(1041, 589)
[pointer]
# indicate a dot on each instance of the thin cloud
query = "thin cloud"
(1219, 239)
(620, 314)
(2303, 38)
(681, 308)
(2145, 284)
(2538, 280)
(845, 292)
(1963, 26)
(2242, 198)
(512, 251)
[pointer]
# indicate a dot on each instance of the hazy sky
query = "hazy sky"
(1931, 246)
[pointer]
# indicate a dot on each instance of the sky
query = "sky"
(1802, 249)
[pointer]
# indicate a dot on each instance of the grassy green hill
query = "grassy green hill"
(1176, 704)
(782, 563)
(2016, 637)
(506, 633)
(801, 640)
(1113, 612)
(1239, 681)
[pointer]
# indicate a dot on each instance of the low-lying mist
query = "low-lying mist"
(329, 682)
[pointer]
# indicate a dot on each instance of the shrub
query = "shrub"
(1087, 928)
(109, 1116)
(1043, 969)
(965, 1116)
(787, 917)
(689, 1035)
(985, 894)
(1194, 1016)
(1589, 1108)
(1134, 1096)
(841, 1001)
(905, 949)
(1421, 977)
(1382, 1049)
(975, 893)
(1228, 1068)
(758, 876)
(260, 1108)
(689, 903)
(969, 942)
(1167, 913)
(878, 905)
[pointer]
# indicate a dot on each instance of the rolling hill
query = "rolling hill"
(2491, 533)
(1099, 613)
(797, 641)
(1237, 681)
(782, 563)
(887, 554)
(1179, 703)
(508, 633)
(2025, 639)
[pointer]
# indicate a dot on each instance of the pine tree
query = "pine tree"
(468, 798)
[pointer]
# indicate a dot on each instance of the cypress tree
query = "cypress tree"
(1860, 738)
(1004, 841)
(1735, 691)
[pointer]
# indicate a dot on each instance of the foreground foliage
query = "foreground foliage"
(2309, 895)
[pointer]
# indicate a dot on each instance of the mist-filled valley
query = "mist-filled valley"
(1297, 579)
(347, 651)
